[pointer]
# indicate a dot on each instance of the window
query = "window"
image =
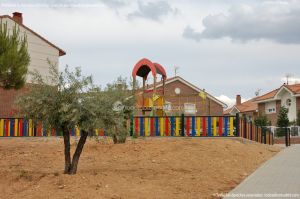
(271, 110)
(167, 106)
(270, 107)
(288, 102)
(190, 108)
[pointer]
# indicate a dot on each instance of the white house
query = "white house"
(287, 96)
(40, 50)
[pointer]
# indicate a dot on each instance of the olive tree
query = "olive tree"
(62, 101)
(67, 99)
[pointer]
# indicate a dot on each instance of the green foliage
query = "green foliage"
(14, 58)
(283, 120)
(298, 118)
(72, 100)
(116, 105)
(261, 121)
(64, 99)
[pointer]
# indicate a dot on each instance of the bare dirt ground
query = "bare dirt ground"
(142, 168)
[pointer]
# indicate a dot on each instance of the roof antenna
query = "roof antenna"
(176, 68)
(288, 76)
(257, 92)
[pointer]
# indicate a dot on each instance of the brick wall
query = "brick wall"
(271, 117)
(188, 95)
(261, 109)
(298, 104)
(7, 101)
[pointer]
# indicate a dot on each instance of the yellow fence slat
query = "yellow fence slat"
(146, 126)
(198, 126)
(231, 126)
(214, 126)
(161, 126)
(16, 127)
(8, 128)
(77, 131)
(1, 127)
(30, 127)
(177, 126)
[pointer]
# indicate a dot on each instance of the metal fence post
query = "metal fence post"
(286, 137)
(251, 131)
(182, 125)
(289, 138)
(131, 126)
(237, 125)
(265, 135)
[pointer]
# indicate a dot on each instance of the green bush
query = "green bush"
(261, 121)
(280, 132)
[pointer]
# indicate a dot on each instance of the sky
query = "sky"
(225, 47)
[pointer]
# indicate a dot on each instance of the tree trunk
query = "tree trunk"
(77, 153)
(115, 139)
(67, 150)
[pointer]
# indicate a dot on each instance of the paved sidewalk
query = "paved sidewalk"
(279, 175)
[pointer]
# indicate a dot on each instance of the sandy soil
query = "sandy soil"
(142, 168)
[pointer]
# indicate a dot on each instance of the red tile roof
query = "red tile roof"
(294, 88)
(61, 52)
(248, 106)
(268, 95)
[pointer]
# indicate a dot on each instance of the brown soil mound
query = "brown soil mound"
(142, 168)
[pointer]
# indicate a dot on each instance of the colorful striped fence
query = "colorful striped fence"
(199, 126)
(19, 127)
(191, 126)
(145, 126)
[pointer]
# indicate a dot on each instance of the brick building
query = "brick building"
(183, 97)
(287, 96)
(40, 51)
(247, 109)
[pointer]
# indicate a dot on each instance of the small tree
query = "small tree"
(14, 58)
(261, 121)
(63, 101)
(116, 104)
(282, 121)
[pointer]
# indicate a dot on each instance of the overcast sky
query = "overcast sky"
(227, 47)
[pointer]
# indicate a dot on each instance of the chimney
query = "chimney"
(17, 16)
(238, 100)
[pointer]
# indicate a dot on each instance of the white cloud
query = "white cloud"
(291, 80)
(273, 20)
(152, 10)
(229, 101)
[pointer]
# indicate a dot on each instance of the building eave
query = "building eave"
(61, 52)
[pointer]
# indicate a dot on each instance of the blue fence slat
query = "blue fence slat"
(141, 126)
(12, 127)
(73, 132)
(172, 126)
(25, 131)
(226, 126)
(209, 126)
(193, 126)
